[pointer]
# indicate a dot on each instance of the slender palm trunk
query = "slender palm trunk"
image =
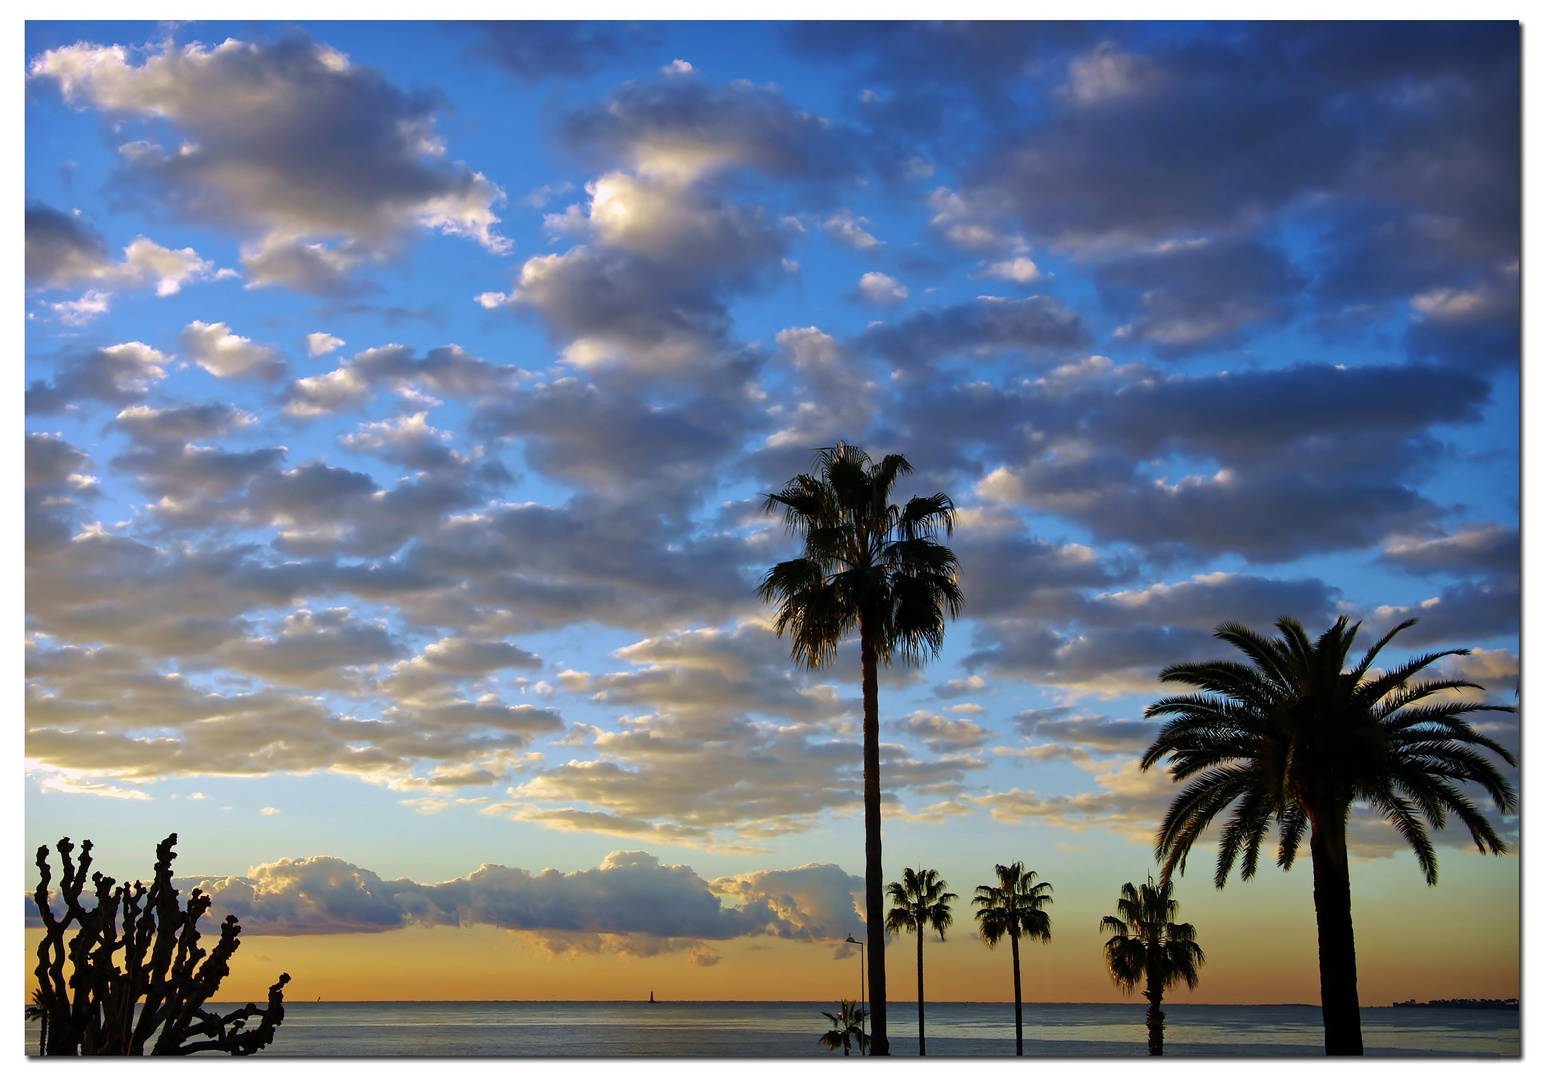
(874, 870)
(1155, 995)
(1333, 921)
(1019, 1015)
(922, 1045)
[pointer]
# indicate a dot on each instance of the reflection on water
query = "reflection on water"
(790, 1029)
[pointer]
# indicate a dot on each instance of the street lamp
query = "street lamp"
(861, 1010)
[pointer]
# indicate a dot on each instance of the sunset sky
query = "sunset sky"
(400, 399)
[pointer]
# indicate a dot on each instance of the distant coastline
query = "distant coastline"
(1460, 1003)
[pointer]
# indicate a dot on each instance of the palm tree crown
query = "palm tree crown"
(1014, 906)
(847, 1028)
(867, 564)
(875, 567)
(1295, 738)
(920, 901)
(1145, 939)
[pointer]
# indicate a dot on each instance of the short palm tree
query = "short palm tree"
(1293, 738)
(920, 902)
(1014, 907)
(1148, 946)
(875, 567)
(38, 1011)
(847, 1029)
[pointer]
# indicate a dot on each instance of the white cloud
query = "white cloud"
(881, 289)
(229, 356)
(320, 344)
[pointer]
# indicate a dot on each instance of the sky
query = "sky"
(400, 400)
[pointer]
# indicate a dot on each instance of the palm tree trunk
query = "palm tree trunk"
(1155, 995)
(1333, 921)
(874, 870)
(1019, 1018)
(922, 1045)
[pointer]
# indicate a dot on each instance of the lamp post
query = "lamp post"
(861, 1010)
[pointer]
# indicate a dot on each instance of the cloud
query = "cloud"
(941, 734)
(881, 289)
(56, 484)
(535, 50)
(286, 144)
(1271, 464)
(649, 287)
(982, 327)
(683, 130)
(320, 344)
(113, 375)
(447, 370)
(845, 227)
(1019, 269)
(227, 356)
(113, 712)
(1188, 298)
(630, 895)
(734, 749)
(63, 251)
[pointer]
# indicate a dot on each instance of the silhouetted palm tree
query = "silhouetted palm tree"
(39, 1011)
(1148, 946)
(847, 1028)
(1014, 907)
(871, 566)
(920, 902)
(1293, 738)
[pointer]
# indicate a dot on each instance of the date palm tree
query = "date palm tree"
(1293, 738)
(1014, 907)
(847, 1029)
(871, 566)
(1148, 946)
(920, 902)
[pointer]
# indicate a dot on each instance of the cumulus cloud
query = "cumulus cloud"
(632, 901)
(225, 355)
(533, 50)
(318, 163)
(881, 289)
(63, 251)
(849, 229)
(447, 370)
(733, 750)
(1037, 325)
(114, 375)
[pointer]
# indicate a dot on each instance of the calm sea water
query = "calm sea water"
(790, 1029)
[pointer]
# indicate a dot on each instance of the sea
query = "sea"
(792, 1029)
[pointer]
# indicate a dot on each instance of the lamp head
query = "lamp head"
(852, 941)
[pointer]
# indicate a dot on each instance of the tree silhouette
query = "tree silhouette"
(1292, 738)
(847, 1028)
(1014, 908)
(920, 902)
(141, 985)
(875, 567)
(1148, 946)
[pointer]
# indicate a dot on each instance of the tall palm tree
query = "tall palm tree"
(875, 567)
(920, 902)
(1147, 945)
(1015, 907)
(1293, 738)
(847, 1028)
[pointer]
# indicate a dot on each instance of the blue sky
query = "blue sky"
(399, 400)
